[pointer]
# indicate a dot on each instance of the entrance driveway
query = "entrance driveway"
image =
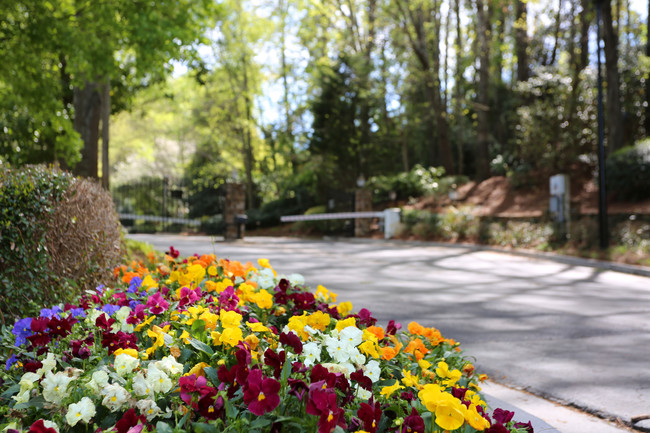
(569, 332)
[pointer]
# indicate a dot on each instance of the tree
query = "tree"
(70, 51)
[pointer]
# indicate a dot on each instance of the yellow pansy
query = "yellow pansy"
(263, 299)
(297, 324)
(265, 264)
(344, 308)
(450, 413)
(431, 395)
(475, 419)
(146, 322)
(148, 283)
(370, 348)
(342, 324)
(212, 271)
(319, 320)
(230, 319)
(197, 369)
(388, 390)
(210, 319)
(130, 352)
(424, 364)
(185, 337)
(231, 336)
(410, 379)
(216, 338)
(449, 377)
(257, 327)
(246, 293)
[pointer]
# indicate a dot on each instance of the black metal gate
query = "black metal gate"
(154, 204)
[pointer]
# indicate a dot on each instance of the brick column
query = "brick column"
(235, 205)
(362, 203)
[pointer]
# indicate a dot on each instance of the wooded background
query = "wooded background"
(295, 97)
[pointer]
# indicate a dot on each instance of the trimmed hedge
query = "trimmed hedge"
(59, 235)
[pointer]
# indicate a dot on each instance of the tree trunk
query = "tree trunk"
(521, 40)
(482, 151)
(106, 114)
(458, 110)
(614, 116)
(647, 81)
(87, 113)
(558, 21)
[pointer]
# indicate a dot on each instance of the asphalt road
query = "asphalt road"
(572, 333)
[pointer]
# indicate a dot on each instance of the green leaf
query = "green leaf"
(11, 391)
(211, 372)
(260, 423)
(163, 427)
(202, 427)
(36, 402)
(201, 346)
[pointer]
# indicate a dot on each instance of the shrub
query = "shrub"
(415, 183)
(58, 236)
(459, 223)
(628, 172)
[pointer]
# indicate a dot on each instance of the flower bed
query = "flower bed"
(211, 345)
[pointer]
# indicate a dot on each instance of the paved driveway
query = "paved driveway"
(572, 333)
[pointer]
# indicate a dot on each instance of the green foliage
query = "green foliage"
(52, 49)
(556, 125)
(27, 199)
(628, 172)
(418, 182)
(58, 236)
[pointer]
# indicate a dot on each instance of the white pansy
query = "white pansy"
(98, 381)
(358, 358)
(148, 408)
(311, 352)
(28, 381)
(120, 317)
(362, 393)
(345, 369)
(351, 335)
(125, 364)
(22, 396)
(83, 410)
(372, 370)
(169, 365)
(296, 280)
(49, 363)
(141, 387)
(158, 380)
(55, 387)
(50, 424)
(239, 280)
(337, 349)
(115, 397)
(92, 316)
(265, 279)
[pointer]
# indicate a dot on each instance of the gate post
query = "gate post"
(235, 208)
(362, 203)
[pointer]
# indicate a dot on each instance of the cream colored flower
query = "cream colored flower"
(125, 364)
(55, 387)
(115, 397)
(83, 410)
(148, 408)
(158, 379)
(169, 365)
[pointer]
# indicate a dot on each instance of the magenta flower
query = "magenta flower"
(188, 296)
(370, 414)
(261, 393)
(157, 304)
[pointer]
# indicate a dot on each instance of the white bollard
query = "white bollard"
(391, 222)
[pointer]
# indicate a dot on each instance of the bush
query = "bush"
(58, 236)
(415, 183)
(459, 223)
(628, 172)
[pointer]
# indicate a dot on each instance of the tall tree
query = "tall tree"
(614, 115)
(482, 94)
(128, 42)
(521, 40)
(416, 19)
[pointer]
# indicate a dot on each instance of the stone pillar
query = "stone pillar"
(234, 211)
(362, 203)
